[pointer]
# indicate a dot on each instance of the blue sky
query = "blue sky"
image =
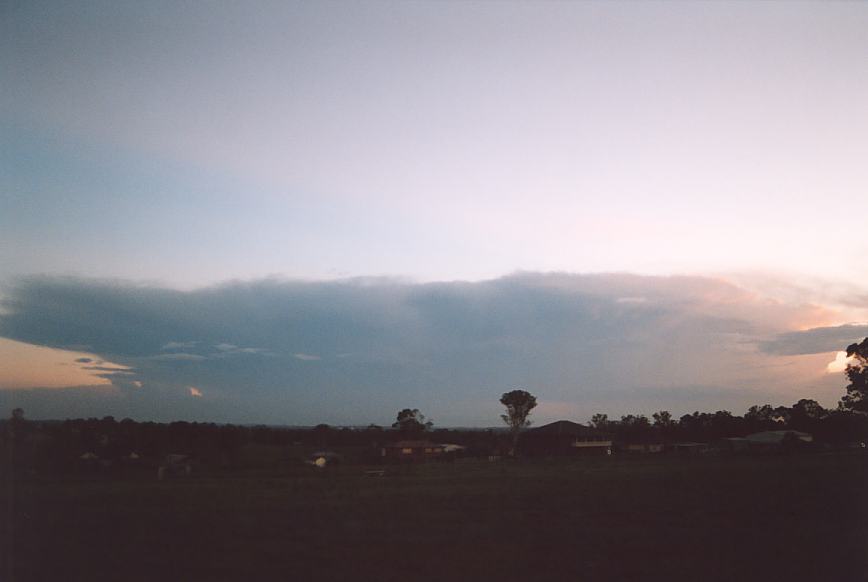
(183, 148)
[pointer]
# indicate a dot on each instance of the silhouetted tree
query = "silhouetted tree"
(808, 408)
(635, 421)
(758, 418)
(805, 414)
(662, 419)
(664, 423)
(782, 415)
(600, 421)
(411, 422)
(695, 426)
(518, 404)
(634, 427)
(856, 399)
(842, 426)
(724, 424)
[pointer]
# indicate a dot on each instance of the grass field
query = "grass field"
(800, 517)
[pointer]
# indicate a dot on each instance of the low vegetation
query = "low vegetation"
(780, 517)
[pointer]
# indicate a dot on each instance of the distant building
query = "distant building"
(565, 437)
(779, 436)
(644, 447)
(773, 440)
(413, 451)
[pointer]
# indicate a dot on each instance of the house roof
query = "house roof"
(412, 445)
(562, 428)
(777, 436)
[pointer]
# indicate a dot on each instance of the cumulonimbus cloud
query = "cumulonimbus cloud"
(291, 351)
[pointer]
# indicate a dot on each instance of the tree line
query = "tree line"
(834, 426)
(59, 443)
(846, 423)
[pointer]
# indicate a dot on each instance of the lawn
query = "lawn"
(799, 517)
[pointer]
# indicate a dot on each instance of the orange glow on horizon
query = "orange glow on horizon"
(30, 366)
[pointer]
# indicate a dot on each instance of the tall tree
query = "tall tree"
(411, 422)
(806, 414)
(664, 424)
(695, 426)
(634, 427)
(600, 421)
(759, 418)
(724, 424)
(518, 404)
(856, 399)
(663, 419)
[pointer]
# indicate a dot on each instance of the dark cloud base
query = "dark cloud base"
(815, 341)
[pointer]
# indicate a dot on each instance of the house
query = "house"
(564, 437)
(774, 440)
(452, 452)
(412, 451)
(654, 447)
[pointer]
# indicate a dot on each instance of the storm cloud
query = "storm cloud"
(352, 351)
(817, 340)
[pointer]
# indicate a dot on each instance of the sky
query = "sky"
(325, 212)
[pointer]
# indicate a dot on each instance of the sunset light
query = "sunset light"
(312, 208)
(433, 291)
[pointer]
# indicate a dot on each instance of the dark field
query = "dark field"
(799, 517)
